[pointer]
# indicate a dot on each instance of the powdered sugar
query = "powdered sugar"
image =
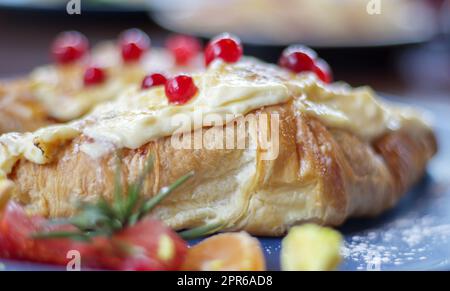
(404, 241)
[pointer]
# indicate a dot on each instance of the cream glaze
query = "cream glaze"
(139, 116)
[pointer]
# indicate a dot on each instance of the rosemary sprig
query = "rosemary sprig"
(62, 234)
(148, 205)
(126, 209)
(201, 230)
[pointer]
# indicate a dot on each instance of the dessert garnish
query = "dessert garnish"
(237, 251)
(323, 71)
(299, 58)
(180, 89)
(116, 235)
(153, 80)
(224, 46)
(94, 76)
(183, 48)
(69, 46)
(133, 44)
(103, 218)
(310, 247)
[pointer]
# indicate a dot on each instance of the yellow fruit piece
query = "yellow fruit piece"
(226, 252)
(166, 248)
(311, 247)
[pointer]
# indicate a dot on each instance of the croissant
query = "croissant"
(340, 153)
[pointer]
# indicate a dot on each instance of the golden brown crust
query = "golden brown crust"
(321, 174)
(400, 152)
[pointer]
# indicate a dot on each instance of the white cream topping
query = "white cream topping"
(63, 94)
(226, 90)
(358, 110)
(139, 116)
(38, 147)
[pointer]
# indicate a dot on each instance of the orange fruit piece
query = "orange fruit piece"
(226, 252)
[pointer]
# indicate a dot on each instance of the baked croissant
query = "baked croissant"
(340, 152)
(55, 93)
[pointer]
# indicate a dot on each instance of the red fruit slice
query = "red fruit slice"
(147, 246)
(183, 47)
(226, 47)
(133, 43)
(323, 71)
(180, 89)
(297, 58)
(69, 46)
(94, 76)
(153, 80)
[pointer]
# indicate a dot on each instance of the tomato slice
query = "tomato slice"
(148, 245)
(16, 230)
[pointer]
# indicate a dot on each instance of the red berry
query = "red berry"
(180, 89)
(69, 46)
(133, 43)
(153, 80)
(183, 47)
(323, 71)
(298, 59)
(94, 76)
(225, 47)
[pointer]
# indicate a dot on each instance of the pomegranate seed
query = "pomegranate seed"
(153, 80)
(298, 59)
(94, 76)
(183, 47)
(180, 89)
(69, 46)
(323, 71)
(133, 43)
(226, 47)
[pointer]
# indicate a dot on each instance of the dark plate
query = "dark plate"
(415, 235)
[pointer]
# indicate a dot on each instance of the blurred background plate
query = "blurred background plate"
(317, 23)
(344, 33)
(104, 6)
(415, 235)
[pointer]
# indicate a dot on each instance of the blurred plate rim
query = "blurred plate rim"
(426, 34)
(86, 7)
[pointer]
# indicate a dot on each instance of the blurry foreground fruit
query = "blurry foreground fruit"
(226, 252)
(311, 247)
